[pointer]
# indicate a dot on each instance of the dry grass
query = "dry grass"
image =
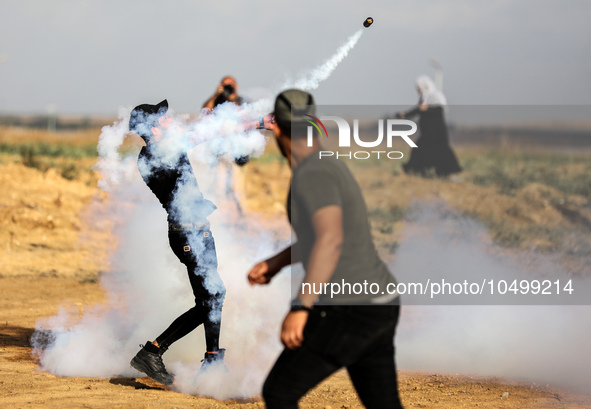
(528, 199)
(17, 136)
(534, 199)
(45, 262)
(70, 153)
(75, 144)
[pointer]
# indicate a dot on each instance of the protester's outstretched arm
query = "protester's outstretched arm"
(265, 122)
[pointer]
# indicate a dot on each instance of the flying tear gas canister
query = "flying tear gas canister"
(368, 22)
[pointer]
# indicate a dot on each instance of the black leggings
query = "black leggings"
(196, 250)
(360, 338)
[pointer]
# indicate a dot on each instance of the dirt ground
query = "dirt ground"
(43, 264)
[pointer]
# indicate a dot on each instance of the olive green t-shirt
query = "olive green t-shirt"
(320, 182)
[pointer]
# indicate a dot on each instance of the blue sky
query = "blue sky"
(94, 57)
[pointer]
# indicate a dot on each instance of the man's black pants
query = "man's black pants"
(360, 338)
(196, 250)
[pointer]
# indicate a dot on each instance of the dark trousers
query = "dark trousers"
(360, 338)
(196, 250)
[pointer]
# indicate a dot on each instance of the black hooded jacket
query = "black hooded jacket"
(175, 186)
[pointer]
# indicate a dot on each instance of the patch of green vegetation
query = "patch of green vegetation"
(507, 234)
(393, 166)
(391, 247)
(29, 158)
(68, 170)
(383, 219)
(50, 150)
(268, 158)
(391, 215)
(510, 172)
(91, 279)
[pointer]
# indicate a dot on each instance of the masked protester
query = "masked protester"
(434, 153)
(322, 334)
(164, 166)
(168, 173)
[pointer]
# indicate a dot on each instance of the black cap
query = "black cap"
(302, 103)
(143, 117)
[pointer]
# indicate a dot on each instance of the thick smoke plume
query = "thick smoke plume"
(147, 287)
(539, 343)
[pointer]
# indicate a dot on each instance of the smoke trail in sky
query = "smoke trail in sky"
(311, 80)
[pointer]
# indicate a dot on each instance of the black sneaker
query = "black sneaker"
(211, 360)
(149, 361)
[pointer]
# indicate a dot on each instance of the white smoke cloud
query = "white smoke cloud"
(147, 288)
(146, 285)
(541, 343)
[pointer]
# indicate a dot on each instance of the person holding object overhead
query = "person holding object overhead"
(434, 153)
(322, 334)
(165, 168)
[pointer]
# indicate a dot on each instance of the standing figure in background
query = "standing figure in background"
(434, 151)
(227, 91)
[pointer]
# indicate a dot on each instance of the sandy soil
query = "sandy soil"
(43, 264)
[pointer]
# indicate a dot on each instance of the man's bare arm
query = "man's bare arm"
(263, 272)
(326, 251)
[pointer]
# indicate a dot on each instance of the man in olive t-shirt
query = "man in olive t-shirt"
(317, 183)
(328, 213)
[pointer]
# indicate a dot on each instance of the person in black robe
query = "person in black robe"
(434, 153)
